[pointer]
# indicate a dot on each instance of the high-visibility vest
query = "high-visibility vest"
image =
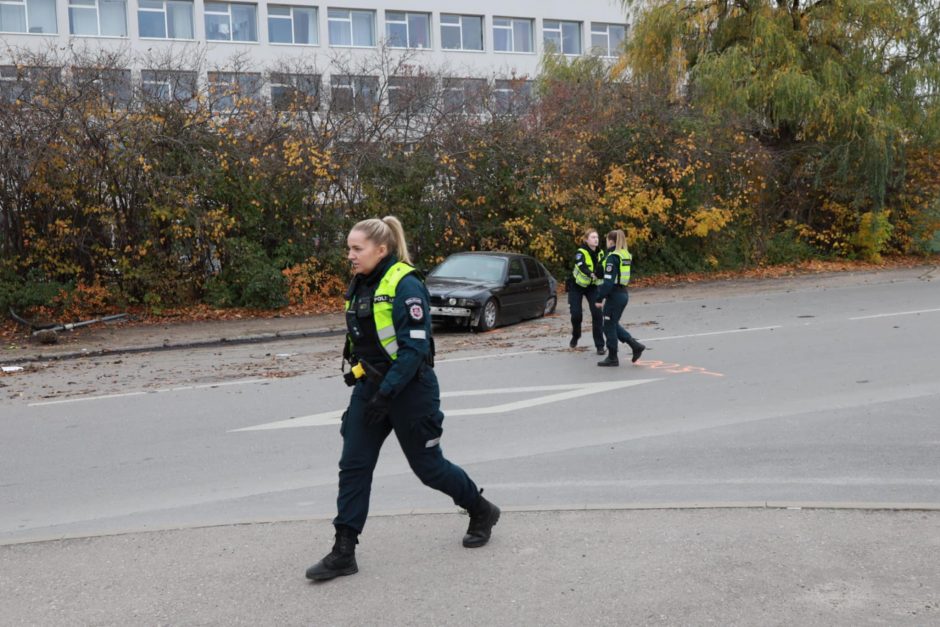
(581, 279)
(382, 304)
(625, 260)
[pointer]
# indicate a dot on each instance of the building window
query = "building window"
(12, 87)
(165, 19)
(351, 28)
(292, 92)
(18, 83)
(169, 85)
(408, 30)
(512, 34)
(293, 25)
(464, 95)
(607, 39)
(112, 86)
(98, 17)
(226, 21)
(562, 37)
(28, 16)
(354, 93)
(512, 97)
(225, 87)
(461, 32)
(410, 94)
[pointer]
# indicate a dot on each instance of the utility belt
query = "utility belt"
(364, 371)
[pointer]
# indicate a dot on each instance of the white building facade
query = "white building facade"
(490, 39)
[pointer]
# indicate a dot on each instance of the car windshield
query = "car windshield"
(471, 268)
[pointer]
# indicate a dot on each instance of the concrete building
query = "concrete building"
(251, 41)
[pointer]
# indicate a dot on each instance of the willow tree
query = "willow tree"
(837, 90)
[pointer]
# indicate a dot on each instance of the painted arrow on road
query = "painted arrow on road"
(562, 393)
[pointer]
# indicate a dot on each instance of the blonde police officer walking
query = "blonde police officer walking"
(613, 297)
(390, 348)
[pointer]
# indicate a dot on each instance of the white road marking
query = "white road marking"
(900, 313)
(144, 392)
(565, 392)
(475, 357)
(682, 337)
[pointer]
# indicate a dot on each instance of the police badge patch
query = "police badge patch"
(416, 312)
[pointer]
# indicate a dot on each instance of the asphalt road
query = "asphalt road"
(819, 392)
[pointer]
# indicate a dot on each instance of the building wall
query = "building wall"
(263, 55)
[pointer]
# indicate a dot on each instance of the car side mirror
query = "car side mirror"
(515, 278)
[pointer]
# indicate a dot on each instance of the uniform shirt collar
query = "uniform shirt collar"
(379, 271)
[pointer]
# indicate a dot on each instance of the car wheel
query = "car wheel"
(489, 315)
(550, 305)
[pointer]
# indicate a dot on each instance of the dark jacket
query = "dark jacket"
(581, 262)
(412, 319)
(611, 275)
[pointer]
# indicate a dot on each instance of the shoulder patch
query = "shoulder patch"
(414, 300)
(579, 256)
(416, 311)
(610, 267)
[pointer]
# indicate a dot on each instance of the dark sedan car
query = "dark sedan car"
(482, 289)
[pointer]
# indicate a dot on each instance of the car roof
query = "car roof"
(490, 253)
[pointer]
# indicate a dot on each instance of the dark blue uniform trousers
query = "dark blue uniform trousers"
(416, 419)
(614, 305)
(575, 295)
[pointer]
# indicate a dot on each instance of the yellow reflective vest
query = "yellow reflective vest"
(584, 280)
(382, 303)
(625, 260)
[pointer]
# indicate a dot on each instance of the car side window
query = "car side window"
(515, 267)
(531, 268)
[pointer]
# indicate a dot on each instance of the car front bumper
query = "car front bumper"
(450, 312)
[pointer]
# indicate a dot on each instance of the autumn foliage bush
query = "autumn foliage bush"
(222, 199)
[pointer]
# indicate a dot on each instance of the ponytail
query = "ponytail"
(398, 236)
(620, 240)
(387, 231)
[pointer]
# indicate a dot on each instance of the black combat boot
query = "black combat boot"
(601, 350)
(574, 341)
(483, 515)
(610, 360)
(637, 349)
(341, 560)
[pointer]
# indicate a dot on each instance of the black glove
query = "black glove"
(377, 408)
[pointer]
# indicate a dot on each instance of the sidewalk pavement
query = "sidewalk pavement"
(730, 564)
(123, 337)
(726, 566)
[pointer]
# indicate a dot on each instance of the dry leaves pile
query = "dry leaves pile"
(12, 333)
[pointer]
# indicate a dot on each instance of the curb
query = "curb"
(247, 339)
(829, 506)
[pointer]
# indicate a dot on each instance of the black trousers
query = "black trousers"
(576, 295)
(614, 305)
(417, 421)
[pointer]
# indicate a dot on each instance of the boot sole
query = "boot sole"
(486, 539)
(352, 570)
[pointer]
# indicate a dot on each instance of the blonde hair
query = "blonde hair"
(389, 232)
(619, 239)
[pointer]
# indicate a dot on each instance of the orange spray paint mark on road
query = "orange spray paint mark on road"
(676, 368)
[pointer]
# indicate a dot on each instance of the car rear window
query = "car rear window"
(532, 268)
(471, 268)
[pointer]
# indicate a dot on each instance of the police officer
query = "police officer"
(612, 294)
(585, 278)
(390, 349)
